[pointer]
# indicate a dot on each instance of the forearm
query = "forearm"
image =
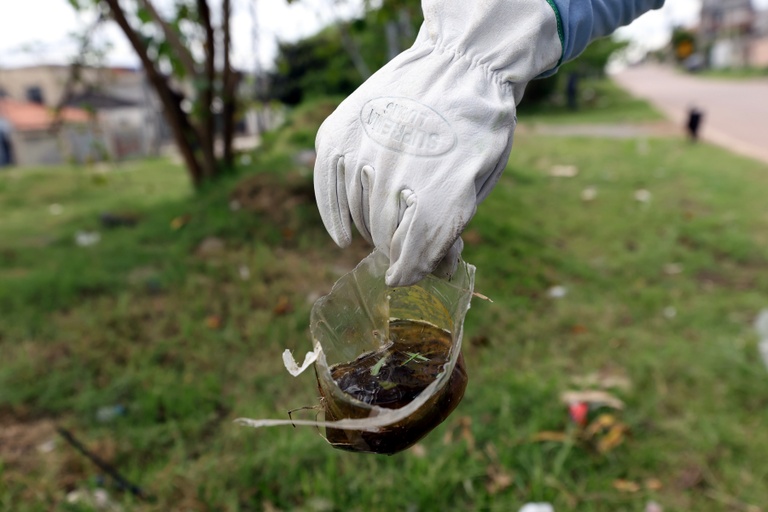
(583, 21)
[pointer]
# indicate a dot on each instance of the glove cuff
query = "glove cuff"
(512, 40)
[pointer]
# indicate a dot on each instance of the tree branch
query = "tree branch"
(229, 87)
(183, 133)
(208, 126)
(172, 38)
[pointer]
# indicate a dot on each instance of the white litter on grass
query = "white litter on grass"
(642, 195)
(291, 365)
(588, 194)
(537, 507)
(670, 312)
(761, 327)
(557, 292)
(763, 348)
(592, 396)
(234, 205)
(244, 272)
(47, 447)
(87, 238)
(761, 324)
(652, 506)
(55, 209)
(97, 499)
(564, 171)
(672, 269)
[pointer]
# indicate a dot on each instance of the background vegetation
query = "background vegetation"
(146, 345)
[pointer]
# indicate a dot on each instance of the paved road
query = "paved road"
(736, 111)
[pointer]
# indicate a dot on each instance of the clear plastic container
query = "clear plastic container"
(391, 356)
(388, 360)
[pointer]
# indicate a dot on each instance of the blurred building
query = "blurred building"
(733, 34)
(28, 137)
(124, 114)
(758, 52)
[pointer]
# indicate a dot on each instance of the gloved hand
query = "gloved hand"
(411, 153)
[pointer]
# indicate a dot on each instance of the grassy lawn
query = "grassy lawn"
(146, 345)
(600, 101)
(735, 73)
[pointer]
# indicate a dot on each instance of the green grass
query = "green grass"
(600, 101)
(735, 73)
(186, 345)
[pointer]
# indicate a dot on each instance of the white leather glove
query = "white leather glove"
(409, 155)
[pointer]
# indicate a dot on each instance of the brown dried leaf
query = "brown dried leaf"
(466, 432)
(653, 484)
(283, 306)
(498, 478)
(626, 486)
(612, 439)
(579, 329)
(213, 322)
(180, 221)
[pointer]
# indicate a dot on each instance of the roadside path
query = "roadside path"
(735, 111)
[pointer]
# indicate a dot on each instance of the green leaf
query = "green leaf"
(377, 367)
(414, 356)
(144, 15)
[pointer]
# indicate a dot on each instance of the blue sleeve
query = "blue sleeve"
(583, 21)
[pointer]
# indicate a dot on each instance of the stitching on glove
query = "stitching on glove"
(474, 63)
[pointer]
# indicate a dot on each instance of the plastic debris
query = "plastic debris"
(672, 269)
(557, 292)
(588, 194)
(537, 507)
(578, 412)
(97, 499)
(55, 209)
(47, 447)
(761, 327)
(761, 324)
(592, 397)
(763, 348)
(109, 413)
(642, 195)
(564, 171)
(670, 312)
(234, 205)
(605, 379)
(87, 238)
(244, 272)
(291, 365)
(652, 506)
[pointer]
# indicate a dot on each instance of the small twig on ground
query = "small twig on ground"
(103, 465)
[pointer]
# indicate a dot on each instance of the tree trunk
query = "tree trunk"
(208, 127)
(183, 133)
(229, 89)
